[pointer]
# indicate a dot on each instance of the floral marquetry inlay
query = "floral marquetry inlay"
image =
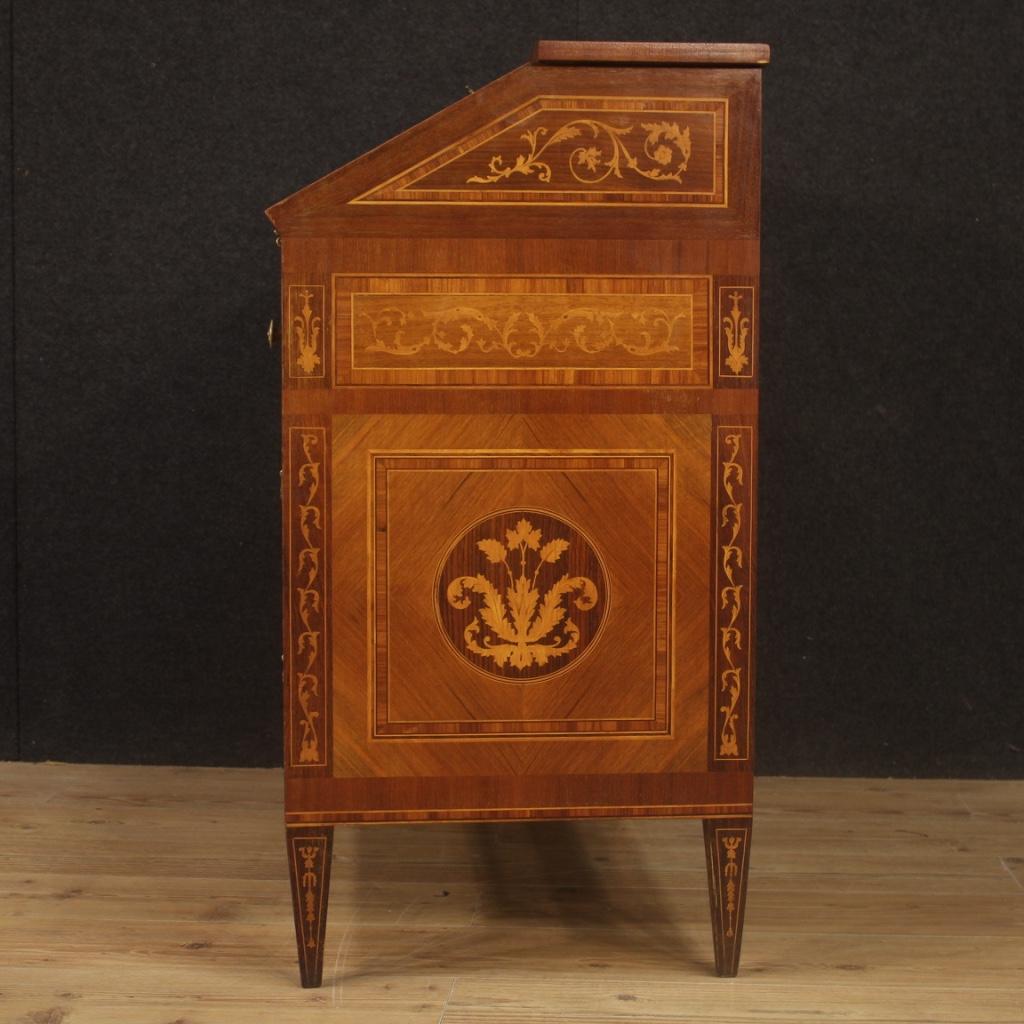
(521, 594)
(602, 151)
(545, 329)
(519, 578)
(735, 331)
(523, 329)
(306, 330)
(594, 149)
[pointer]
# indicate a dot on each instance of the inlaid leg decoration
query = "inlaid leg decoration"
(309, 854)
(727, 845)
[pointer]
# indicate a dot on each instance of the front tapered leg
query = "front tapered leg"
(309, 856)
(727, 846)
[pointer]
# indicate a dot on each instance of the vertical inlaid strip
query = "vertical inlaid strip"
(305, 332)
(732, 592)
(736, 318)
(308, 561)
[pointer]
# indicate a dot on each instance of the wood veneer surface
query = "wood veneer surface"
(519, 452)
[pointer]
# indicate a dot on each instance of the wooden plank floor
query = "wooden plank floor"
(159, 896)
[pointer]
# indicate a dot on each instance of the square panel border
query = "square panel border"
(663, 463)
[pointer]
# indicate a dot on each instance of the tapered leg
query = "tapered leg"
(727, 846)
(309, 856)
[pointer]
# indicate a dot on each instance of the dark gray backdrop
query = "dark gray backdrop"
(139, 460)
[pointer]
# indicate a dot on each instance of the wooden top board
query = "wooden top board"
(563, 51)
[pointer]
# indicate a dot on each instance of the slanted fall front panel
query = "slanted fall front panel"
(520, 416)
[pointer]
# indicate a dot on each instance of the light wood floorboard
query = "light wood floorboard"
(159, 896)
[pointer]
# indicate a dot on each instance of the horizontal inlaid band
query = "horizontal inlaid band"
(531, 398)
(697, 794)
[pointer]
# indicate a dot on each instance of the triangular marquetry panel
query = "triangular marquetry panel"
(580, 149)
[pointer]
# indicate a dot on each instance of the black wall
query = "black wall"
(8, 493)
(148, 138)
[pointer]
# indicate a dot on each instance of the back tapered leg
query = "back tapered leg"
(309, 858)
(727, 847)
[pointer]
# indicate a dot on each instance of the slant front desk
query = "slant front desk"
(519, 445)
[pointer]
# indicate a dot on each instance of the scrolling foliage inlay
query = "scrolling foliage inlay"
(308, 570)
(592, 149)
(527, 327)
(666, 146)
(732, 656)
(520, 608)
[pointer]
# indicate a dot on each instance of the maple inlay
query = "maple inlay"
(522, 594)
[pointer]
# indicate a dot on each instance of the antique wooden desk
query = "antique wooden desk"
(519, 443)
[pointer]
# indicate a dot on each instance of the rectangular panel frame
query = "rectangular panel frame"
(665, 582)
(697, 373)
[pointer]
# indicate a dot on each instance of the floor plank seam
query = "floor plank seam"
(447, 1000)
(1011, 873)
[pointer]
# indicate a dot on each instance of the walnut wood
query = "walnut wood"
(519, 449)
(727, 851)
(562, 51)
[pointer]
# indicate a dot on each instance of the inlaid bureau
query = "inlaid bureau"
(519, 425)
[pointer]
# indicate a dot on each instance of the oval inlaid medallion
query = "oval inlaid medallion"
(522, 594)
